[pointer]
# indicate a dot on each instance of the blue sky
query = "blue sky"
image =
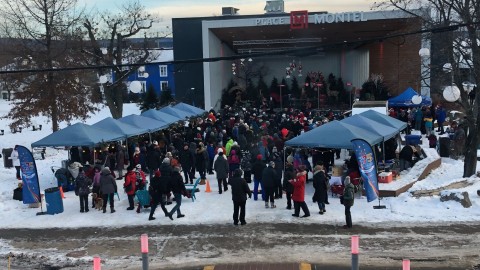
(168, 9)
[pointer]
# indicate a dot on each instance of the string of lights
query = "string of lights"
(313, 50)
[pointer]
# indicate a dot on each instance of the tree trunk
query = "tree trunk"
(470, 162)
(114, 99)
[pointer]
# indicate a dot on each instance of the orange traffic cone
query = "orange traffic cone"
(207, 188)
(61, 192)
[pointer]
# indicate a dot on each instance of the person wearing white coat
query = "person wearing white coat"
(15, 161)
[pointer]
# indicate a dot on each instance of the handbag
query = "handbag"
(342, 201)
(128, 188)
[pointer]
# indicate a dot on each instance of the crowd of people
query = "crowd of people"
(239, 146)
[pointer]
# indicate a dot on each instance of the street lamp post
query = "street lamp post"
(349, 84)
(193, 96)
(318, 94)
(281, 97)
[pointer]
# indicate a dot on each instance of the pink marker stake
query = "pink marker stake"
(144, 247)
(355, 247)
(97, 265)
(406, 264)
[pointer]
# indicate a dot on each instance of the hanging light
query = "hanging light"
(250, 59)
(103, 79)
(417, 99)
(135, 87)
(451, 93)
(424, 52)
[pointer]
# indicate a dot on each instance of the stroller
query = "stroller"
(142, 196)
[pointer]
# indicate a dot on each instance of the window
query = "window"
(163, 85)
(163, 71)
(144, 86)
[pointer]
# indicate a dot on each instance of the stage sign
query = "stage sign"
(299, 19)
(367, 165)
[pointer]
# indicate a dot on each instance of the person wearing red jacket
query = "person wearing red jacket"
(130, 186)
(298, 195)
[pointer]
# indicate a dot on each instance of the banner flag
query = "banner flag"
(31, 186)
(368, 167)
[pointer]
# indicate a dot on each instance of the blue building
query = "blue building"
(159, 76)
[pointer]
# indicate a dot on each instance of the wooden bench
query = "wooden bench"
(192, 189)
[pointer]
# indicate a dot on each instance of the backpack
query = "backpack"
(139, 182)
(234, 159)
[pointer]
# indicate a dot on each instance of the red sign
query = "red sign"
(299, 19)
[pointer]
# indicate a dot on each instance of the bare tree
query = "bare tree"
(45, 37)
(114, 30)
(456, 23)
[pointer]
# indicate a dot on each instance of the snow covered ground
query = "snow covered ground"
(213, 208)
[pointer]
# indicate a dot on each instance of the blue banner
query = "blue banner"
(368, 167)
(31, 187)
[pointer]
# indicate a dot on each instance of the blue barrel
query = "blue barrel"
(54, 202)
(413, 139)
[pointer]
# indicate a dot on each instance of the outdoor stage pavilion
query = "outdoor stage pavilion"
(350, 45)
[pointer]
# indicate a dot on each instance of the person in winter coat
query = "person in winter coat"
(201, 159)
(140, 177)
(82, 190)
(130, 186)
(441, 115)
(153, 158)
(108, 187)
(320, 184)
(96, 182)
(459, 141)
(211, 156)
(158, 189)
(221, 168)
(240, 190)
(186, 159)
(246, 164)
(178, 188)
(15, 161)
(298, 196)
(269, 183)
(287, 186)
(277, 157)
(257, 169)
(233, 162)
(120, 157)
(348, 199)
(406, 156)
(228, 147)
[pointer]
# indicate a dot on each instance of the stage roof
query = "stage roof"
(265, 38)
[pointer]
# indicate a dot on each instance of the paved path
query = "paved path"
(383, 247)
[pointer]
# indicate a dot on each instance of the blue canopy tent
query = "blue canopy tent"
(189, 108)
(358, 120)
(384, 119)
(119, 127)
(79, 134)
(158, 115)
(334, 134)
(151, 125)
(405, 99)
(176, 112)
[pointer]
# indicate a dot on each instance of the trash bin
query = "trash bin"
(444, 147)
(6, 152)
(54, 202)
(413, 139)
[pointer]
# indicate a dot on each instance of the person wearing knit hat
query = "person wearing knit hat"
(269, 177)
(298, 195)
(130, 186)
(348, 199)
(259, 157)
